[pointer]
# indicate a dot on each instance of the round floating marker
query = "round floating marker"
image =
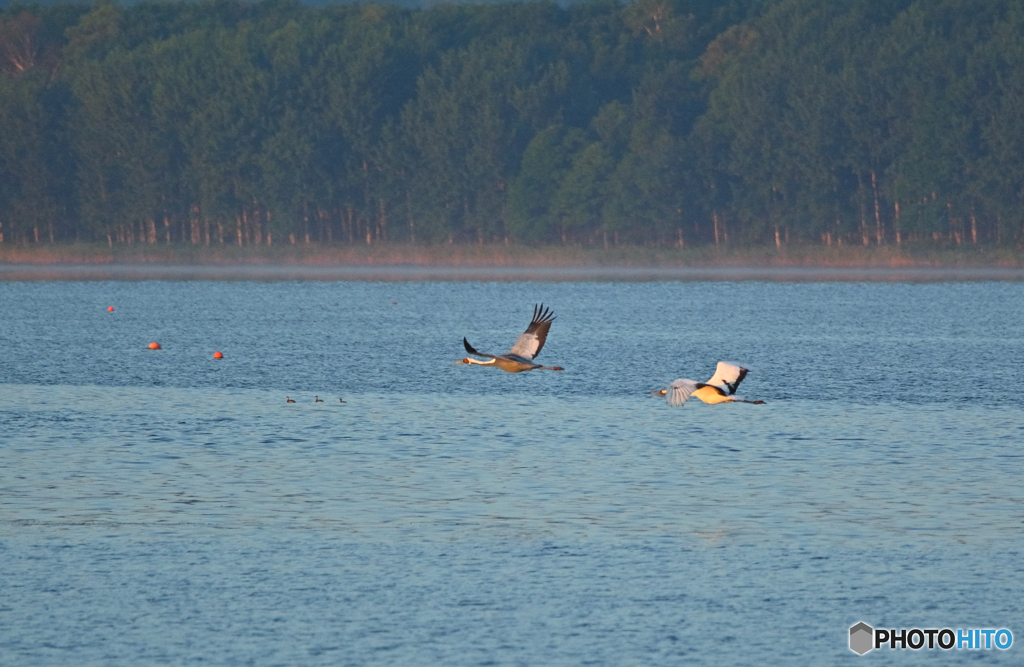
(110, 309)
(154, 345)
(218, 355)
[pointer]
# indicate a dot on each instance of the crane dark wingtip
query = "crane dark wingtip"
(541, 314)
(469, 348)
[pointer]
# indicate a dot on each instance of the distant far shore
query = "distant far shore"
(906, 256)
(386, 262)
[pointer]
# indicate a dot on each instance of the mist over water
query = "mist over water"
(164, 507)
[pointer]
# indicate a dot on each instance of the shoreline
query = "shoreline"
(922, 255)
(425, 273)
(384, 262)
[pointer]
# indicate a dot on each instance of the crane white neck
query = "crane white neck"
(489, 362)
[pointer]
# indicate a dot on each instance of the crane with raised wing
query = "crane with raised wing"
(721, 388)
(527, 347)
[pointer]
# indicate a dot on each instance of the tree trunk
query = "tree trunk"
(953, 233)
(896, 222)
(879, 234)
(863, 217)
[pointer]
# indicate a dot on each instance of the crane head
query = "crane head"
(658, 392)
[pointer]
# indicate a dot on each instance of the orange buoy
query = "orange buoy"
(110, 309)
(154, 345)
(218, 355)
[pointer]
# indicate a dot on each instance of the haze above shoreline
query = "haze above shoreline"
(398, 273)
(387, 262)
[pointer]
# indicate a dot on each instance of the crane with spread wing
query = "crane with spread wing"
(527, 347)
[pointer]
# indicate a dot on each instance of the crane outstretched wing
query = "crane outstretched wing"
(530, 343)
(729, 374)
(469, 348)
(679, 391)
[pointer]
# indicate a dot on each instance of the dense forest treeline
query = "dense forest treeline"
(669, 122)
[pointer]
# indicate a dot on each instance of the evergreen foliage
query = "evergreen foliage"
(667, 122)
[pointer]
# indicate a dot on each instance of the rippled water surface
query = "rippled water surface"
(161, 507)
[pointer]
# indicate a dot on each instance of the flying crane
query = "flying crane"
(526, 348)
(721, 388)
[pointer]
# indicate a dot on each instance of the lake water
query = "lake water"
(163, 507)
